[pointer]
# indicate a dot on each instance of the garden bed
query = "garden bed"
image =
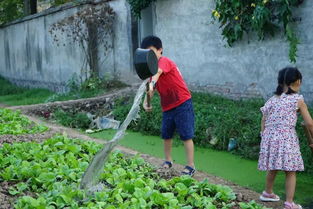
(119, 103)
(33, 195)
(47, 175)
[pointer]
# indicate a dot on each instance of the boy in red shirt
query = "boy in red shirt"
(176, 104)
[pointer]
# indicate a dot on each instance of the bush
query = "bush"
(92, 87)
(71, 119)
(60, 2)
(10, 10)
(7, 88)
(215, 118)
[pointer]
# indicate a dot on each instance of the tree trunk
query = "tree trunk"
(93, 49)
(30, 7)
(33, 6)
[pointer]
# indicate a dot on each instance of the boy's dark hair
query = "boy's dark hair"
(151, 41)
(286, 77)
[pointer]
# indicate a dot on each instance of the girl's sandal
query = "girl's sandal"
(188, 171)
(266, 197)
(289, 205)
(167, 164)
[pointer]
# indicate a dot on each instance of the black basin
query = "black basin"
(146, 63)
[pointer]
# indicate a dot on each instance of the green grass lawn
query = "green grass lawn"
(223, 164)
(37, 96)
(13, 95)
(26, 97)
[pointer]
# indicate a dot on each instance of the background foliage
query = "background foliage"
(262, 17)
(13, 9)
(138, 5)
(217, 119)
(60, 2)
(10, 10)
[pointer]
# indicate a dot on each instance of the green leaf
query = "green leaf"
(46, 177)
(13, 191)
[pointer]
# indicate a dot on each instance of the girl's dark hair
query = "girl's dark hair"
(286, 77)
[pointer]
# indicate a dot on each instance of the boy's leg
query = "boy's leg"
(270, 179)
(184, 122)
(168, 128)
(167, 150)
(290, 185)
(189, 148)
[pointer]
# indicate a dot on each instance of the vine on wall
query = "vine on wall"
(89, 28)
(263, 17)
(138, 5)
(237, 17)
(10, 10)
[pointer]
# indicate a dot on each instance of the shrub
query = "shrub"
(71, 119)
(215, 118)
(7, 88)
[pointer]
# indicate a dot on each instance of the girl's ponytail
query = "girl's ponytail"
(279, 90)
(281, 82)
(285, 78)
(290, 91)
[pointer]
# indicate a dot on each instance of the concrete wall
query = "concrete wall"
(29, 57)
(247, 69)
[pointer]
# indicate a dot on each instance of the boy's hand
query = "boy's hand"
(149, 94)
(311, 145)
(150, 90)
(147, 109)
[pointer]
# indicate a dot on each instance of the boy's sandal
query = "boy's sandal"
(167, 164)
(266, 197)
(289, 205)
(188, 171)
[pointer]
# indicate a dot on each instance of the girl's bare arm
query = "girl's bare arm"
(306, 116)
(263, 124)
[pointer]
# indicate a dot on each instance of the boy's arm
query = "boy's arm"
(145, 104)
(154, 80)
(150, 92)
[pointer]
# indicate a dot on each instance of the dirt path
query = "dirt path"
(3, 105)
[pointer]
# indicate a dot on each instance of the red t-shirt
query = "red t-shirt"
(171, 85)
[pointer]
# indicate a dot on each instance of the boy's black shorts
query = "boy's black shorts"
(180, 118)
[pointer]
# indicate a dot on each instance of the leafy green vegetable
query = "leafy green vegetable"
(12, 122)
(251, 205)
(52, 171)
